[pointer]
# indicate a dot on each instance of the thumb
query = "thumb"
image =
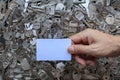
(80, 49)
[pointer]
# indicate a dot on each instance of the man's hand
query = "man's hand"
(90, 45)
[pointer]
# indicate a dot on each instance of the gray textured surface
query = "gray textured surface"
(22, 22)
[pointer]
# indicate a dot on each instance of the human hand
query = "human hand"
(90, 45)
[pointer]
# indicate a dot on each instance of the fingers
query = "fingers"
(85, 62)
(80, 61)
(84, 46)
(80, 49)
(77, 38)
(91, 62)
(83, 54)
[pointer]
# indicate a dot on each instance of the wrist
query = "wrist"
(117, 43)
(117, 40)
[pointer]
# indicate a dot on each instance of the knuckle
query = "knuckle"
(76, 49)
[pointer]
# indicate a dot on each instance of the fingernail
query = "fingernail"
(71, 49)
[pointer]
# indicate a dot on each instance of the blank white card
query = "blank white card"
(53, 49)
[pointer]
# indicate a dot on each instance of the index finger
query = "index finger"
(77, 38)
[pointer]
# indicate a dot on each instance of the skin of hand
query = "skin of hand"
(89, 45)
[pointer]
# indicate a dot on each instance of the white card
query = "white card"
(53, 49)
